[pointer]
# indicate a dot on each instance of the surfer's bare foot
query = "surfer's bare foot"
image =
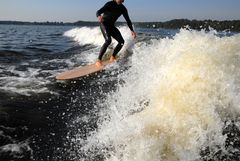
(112, 59)
(98, 63)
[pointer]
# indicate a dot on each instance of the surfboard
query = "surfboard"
(81, 71)
(88, 69)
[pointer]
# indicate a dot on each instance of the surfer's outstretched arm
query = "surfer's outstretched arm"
(129, 22)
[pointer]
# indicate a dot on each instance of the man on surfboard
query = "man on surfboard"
(111, 11)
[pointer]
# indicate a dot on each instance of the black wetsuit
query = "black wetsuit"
(111, 12)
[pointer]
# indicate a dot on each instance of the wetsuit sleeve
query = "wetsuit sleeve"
(103, 9)
(126, 16)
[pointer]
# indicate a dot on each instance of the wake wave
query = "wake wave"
(175, 99)
(87, 35)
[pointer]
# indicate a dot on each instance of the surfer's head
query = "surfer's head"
(119, 1)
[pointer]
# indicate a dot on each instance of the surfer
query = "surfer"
(111, 11)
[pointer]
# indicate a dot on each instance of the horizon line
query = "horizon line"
(47, 21)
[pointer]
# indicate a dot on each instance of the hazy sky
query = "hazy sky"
(139, 10)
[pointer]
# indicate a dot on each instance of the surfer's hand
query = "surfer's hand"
(134, 34)
(100, 18)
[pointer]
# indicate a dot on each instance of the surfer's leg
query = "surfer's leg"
(103, 30)
(106, 31)
(108, 41)
(117, 35)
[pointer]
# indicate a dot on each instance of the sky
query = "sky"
(139, 10)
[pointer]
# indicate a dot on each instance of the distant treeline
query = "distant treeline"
(78, 23)
(231, 25)
(33, 23)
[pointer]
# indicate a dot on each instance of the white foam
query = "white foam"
(86, 35)
(16, 150)
(24, 82)
(174, 100)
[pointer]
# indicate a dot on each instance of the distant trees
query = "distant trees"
(32, 23)
(233, 25)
